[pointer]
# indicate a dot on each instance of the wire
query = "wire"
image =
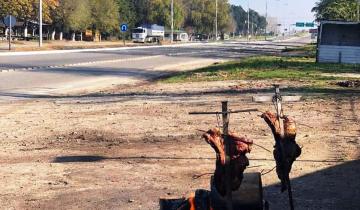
(263, 174)
(197, 176)
(262, 147)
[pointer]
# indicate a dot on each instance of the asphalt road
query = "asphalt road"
(69, 72)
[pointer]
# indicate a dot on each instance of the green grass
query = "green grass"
(305, 51)
(265, 67)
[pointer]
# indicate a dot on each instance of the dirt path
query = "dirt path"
(125, 148)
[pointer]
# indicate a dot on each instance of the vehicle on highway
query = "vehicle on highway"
(148, 33)
(199, 37)
(179, 36)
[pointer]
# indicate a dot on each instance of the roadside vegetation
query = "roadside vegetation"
(68, 18)
(292, 68)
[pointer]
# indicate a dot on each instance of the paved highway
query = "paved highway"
(37, 74)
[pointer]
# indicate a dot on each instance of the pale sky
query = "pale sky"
(287, 11)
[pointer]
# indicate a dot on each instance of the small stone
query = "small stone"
(131, 201)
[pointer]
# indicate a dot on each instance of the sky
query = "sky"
(287, 11)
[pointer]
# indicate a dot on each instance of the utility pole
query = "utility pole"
(40, 24)
(10, 35)
(172, 21)
(266, 16)
(248, 22)
(216, 20)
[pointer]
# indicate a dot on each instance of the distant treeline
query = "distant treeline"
(194, 16)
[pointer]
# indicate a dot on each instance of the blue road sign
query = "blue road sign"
(124, 27)
(10, 21)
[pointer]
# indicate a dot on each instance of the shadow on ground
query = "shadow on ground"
(150, 95)
(335, 188)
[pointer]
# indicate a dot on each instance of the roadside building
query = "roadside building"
(24, 30)
(338, 42)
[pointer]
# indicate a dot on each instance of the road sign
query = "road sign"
(124, 27)
(309, 24)
(10, 21)
(300, 24)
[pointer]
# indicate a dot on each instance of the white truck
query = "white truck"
(148, 33)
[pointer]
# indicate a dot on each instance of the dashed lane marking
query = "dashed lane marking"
(80, 64)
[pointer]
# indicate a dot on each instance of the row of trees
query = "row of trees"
(257, 23)
(195, 16)
(345, 10)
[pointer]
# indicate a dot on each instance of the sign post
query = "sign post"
(10, 22)
(123, 28)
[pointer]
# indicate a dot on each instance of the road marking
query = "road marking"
(81, 64)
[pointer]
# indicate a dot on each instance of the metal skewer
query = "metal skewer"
(279, 111)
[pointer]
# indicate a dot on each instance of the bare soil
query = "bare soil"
(124, 148)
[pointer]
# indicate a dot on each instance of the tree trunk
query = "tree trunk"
(53, 35)
(73, 37)
(61, 36)
(26, 31)
(7, 33)
(81, 36)
(99, 37)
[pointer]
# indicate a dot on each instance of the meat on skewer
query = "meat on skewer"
(291, 150)
(239, 146)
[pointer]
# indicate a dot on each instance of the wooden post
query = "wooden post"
(225, 117)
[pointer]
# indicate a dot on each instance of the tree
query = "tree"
(224, 19)
(345, 10)
(240, 17)
(21, 9)
(201, 15)
(28, 10)
(79, 18)
(127, 12)
(160, 13)
(257, 22)
(105, 15)
(73, 16)
(142, 11)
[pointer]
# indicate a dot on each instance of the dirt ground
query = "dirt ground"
(125, 148)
